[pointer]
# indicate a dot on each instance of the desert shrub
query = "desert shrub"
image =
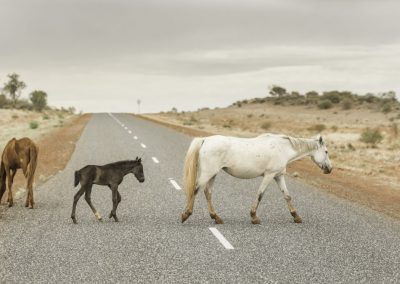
(266, 125)
(23, 104)
(317, 127)
(395, 129)
(3, 101)
(226, 126)
(371, 136)
(386, 108)
(250, 115)
(332, 96)
(187, 122)
(38, 99)
(325, 104)
(334, 128)
(346, 104)
(350, 147)
(33, 124)
(14, 116)
(45, 117)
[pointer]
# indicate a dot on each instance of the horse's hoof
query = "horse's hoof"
(26, 204)
(109, 216)
(31, 207)
(256, 221)
(218, 220)
(100, 219)
(184, 217)
(74, 220)
(116, 219)
(10, 204)
(298, 220)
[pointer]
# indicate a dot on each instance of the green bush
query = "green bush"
(45, 117)
(317, 127)
(325, 104)
(386, 108)
(347, 104)
(33, 125)
(266, 125)
(371, 136)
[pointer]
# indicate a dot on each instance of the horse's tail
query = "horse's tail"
(33, 153)
(3, 176)
(77, 178)
(190, 173)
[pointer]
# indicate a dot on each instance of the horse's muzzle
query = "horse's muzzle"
(327, 170)
(141, 180)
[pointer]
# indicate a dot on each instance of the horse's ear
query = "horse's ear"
(140, 160)
(136, 158)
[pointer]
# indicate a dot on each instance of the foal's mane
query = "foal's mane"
(125, 163)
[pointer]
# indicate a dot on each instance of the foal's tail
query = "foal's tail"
(77, 178)
(190, 168)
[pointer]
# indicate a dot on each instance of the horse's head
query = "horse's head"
(137, 170)
(321, 157)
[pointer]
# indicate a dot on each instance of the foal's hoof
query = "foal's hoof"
(74, 220)
(256, 221)
(10, 204)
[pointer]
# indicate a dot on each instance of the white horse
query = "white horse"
(266, 155)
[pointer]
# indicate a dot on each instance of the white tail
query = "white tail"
(190, 174)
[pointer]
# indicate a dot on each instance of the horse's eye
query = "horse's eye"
(326, 152)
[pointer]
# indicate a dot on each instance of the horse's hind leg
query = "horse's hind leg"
(211, 209)
(260, 193)
(29, 197)
(280, 180)
(88, 199)
(10, 175)
(76, 198)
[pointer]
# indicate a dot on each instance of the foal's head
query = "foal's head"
(321, 157)
(137, 169)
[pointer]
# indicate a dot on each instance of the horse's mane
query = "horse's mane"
(299, 144)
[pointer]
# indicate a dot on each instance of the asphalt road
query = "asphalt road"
(337, 242)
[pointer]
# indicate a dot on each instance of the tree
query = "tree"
(277, 91)
(39, 100)
(14, 87)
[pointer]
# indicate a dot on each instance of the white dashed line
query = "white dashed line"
(143, 146)
(221, 238)
(135, 137)
(155, 160)
(175, 184)
(126, 128)
(130, 132)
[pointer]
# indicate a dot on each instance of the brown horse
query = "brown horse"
(18, 154)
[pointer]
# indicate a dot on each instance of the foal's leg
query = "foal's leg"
(88, 199)
(207, 192)
(260, 193)
(76, 198)
(280, 180)
(113, 212)
(10, 175)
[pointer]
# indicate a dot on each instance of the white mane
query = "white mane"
(299, 144)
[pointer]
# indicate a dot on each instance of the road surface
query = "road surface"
(338, 241)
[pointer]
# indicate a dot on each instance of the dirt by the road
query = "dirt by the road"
(341, 182)
(55, 150)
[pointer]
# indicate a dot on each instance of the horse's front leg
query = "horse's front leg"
(253, 212)
(280, 180)
(115, 194)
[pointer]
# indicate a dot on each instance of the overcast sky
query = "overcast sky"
(103, 55)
